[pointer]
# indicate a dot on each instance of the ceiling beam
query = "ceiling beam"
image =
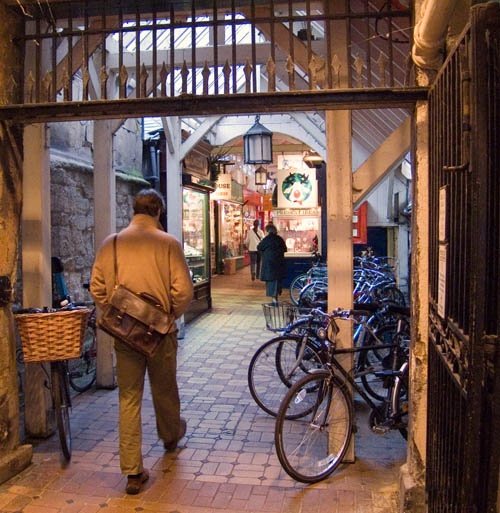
(170, 129)
(311, 130)
(277, 148)
(382, 160)
(196, 136)
(242, 103)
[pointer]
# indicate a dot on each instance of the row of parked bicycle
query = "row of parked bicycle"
(305, 379)
(374, 280)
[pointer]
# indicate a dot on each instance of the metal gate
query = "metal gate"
(464, 357)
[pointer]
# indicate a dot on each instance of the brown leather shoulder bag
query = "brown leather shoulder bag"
(138, 320)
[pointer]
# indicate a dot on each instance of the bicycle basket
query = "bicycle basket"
(53, 335)
(279, 315)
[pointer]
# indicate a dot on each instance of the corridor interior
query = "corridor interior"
(227, 461)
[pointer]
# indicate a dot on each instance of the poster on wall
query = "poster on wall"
(297, 188)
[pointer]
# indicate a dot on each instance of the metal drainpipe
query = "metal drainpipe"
(430, 33)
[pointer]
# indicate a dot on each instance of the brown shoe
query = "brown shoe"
(135, 482)
(171, 446)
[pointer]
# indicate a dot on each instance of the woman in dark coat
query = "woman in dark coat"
(272, 249)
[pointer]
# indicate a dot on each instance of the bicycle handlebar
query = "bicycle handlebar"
(362, 310)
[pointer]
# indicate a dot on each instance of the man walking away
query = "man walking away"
(149, 261)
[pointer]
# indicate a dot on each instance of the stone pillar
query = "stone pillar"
(412, 477)
(105, 224)
(14, 457)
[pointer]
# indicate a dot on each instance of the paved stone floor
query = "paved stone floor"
(226, 462)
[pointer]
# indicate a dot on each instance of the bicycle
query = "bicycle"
(82, 370)
(314, 425)
(54, 336)
(373, 281)
(317, 271)
(298, 350)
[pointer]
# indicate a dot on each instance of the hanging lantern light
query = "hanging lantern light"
(261, 176)
(258, 144)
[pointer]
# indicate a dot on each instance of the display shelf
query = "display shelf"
(298, 232)
(195, 232)
(231, 230)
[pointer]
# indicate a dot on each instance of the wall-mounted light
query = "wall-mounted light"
(261, 176)
(258, 144)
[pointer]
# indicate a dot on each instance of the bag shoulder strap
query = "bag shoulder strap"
(257, 233)
(115, 260)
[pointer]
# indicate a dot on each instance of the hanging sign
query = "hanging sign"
(222, 187)
(297, 188)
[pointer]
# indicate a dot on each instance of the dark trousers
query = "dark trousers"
(254, 263)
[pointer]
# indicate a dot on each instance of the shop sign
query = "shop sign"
(297, 188)
(222, 187)
(196, 164)
(287, 212)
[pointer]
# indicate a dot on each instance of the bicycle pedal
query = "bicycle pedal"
(381, 429)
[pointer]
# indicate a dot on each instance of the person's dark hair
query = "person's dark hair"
(270, 228)
(149, 202)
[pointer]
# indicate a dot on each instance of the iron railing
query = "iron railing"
(95, 50)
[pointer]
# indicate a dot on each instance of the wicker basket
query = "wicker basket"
(279, 315)
(53, 335)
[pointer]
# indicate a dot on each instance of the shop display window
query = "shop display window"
(231, 229)
(195, 233)
(298, 232)
(249, 216)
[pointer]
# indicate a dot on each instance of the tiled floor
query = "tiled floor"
(227, 461)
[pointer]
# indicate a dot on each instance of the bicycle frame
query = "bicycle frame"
(389, 408)
(364, 330)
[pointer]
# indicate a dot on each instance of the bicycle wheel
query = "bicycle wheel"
(400, 400)
(313, 294)
(62, 404)
(312, 447)
(274, 368)
(82, 371)
(372, 360)
(296, 286)
(389, 294)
